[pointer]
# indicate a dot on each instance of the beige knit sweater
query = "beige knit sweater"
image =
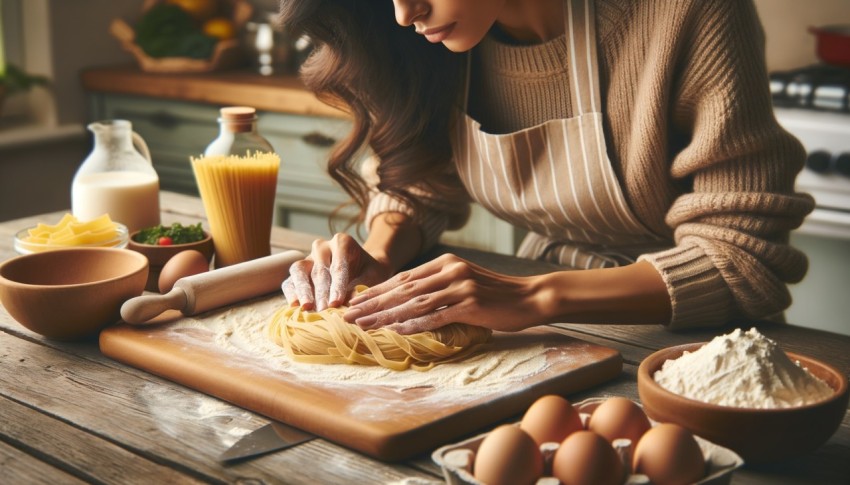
(691, 133)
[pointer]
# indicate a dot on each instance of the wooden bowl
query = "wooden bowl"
(159, 255)
(70, 294)
(226, 54)
(758, 435)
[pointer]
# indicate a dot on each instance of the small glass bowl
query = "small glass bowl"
(24, 247)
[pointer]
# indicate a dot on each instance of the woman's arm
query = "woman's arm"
(628, 294)
(393, 240)
(450, 289)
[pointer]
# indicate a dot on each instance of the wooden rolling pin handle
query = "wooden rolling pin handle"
(231, 284)
(205, 291)
(139, 310)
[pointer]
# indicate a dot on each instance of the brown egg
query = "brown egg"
(618, 418)
(669, 455)
(550, 419)
(586, 458)
(508, 456)
(185, 263)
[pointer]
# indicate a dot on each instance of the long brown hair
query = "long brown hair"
(400, 90)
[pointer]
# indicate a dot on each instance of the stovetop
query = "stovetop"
(826, 137)
(818, 87)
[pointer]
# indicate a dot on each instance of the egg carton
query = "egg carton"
(456, 459)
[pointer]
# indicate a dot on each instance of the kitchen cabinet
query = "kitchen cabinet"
(308, 200)
(176, 130)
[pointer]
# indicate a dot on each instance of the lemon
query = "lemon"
(198, 9)
(220, 28)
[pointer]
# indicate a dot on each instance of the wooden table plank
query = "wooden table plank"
(164, 422)
(91, 458)
(19, 467)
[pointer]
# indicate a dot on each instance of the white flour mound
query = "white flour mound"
(742, 369)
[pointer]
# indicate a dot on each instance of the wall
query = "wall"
(786, 23)
(36, 178)
(35, 174)
(81, 43)
(79, 39)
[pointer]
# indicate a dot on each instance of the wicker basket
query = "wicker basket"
(226, 54)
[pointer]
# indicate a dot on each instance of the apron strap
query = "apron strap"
(583, 62)
(467, 76)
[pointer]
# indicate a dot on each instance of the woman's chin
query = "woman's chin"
(459, 45)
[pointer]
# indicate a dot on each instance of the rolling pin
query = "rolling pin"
(214, 289)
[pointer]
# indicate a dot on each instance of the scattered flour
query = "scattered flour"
(742, 369)
(173, 409)
(416, 481)
(241, 330)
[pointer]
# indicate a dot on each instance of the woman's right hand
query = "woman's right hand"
(327, 277)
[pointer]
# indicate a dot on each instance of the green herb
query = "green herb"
(178, 233)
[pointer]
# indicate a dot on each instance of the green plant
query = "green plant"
(16, 80)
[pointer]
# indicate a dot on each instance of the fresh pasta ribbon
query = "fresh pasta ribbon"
(326, 338)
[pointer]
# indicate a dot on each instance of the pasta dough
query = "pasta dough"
(326, 338)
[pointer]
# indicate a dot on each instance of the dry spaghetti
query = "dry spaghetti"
(238, 193)
(325, 338)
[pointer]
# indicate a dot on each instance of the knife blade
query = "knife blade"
(271, 437)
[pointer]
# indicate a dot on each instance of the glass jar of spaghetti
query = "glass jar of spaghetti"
(237, 179)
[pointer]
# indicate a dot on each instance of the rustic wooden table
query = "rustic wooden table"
(71, 415)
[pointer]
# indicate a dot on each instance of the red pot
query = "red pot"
(833, 44)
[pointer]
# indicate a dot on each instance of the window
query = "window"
(25, 43)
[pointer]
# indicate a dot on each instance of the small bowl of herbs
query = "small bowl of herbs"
(160, 243)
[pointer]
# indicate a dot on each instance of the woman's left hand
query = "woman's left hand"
(447, 290)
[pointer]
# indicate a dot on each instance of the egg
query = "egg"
(185, 263)
(669, 455)
(508, 456)
(550, 419)
(618, 418)
(586, 458)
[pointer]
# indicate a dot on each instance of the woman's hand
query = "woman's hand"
(446, 290)
(329, 274)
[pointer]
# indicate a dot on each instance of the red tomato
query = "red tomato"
(164, 241)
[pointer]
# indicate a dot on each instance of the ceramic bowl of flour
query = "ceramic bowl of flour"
(758, 435)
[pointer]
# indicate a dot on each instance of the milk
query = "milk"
(131, 198)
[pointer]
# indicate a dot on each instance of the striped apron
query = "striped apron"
(555, 179)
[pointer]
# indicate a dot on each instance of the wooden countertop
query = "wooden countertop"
(279, 92)
(72, 415)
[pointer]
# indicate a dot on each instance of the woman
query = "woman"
(633, 140)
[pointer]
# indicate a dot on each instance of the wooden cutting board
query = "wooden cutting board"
(376, 417)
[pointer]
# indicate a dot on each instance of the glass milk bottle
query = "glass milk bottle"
(117, 178)
(238, 133)
(237, 180)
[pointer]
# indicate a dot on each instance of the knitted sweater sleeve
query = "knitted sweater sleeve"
(434, 215)
(731, 259)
